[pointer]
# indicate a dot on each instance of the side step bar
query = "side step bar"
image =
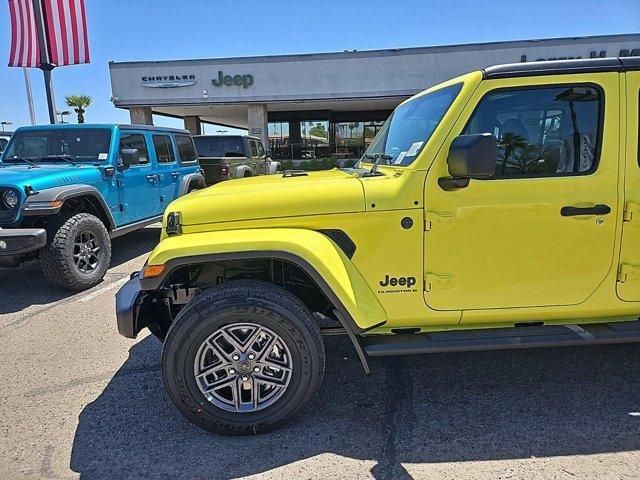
(502, 339)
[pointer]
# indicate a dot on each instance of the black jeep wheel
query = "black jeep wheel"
(78, 252)
(245, 357)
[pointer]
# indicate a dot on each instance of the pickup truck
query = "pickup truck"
(497, 210)
(67, 190)
(225, 157)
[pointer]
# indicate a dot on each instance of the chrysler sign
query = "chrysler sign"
(168, 81)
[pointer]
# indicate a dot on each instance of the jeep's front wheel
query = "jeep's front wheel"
(78, 252)
(245, 357)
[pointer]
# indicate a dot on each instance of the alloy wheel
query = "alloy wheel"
(243, 367)
(86, 252)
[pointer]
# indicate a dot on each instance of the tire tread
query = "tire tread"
(53, 262)
(216, 297)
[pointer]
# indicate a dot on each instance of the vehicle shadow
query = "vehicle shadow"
(429, 409)
(25, 286)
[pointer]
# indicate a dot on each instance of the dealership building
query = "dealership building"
(323, 103)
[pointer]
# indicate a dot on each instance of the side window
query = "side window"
(135, 140)
(186, 150)
(260, 149)
(254, 149)
(163, 148)
(542, 132)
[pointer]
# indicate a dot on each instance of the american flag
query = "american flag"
(65, 29)
(24, 37)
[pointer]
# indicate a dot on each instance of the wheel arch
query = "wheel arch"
(242, 170)
(355, 306)
(69, 196)
(188, 180)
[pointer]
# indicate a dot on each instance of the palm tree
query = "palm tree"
(79, 103)
(510, 144)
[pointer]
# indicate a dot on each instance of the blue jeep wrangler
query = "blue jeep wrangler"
(66, 190)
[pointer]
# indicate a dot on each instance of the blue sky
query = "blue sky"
(163, 29)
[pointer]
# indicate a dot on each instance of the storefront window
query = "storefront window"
(278, 135)
(315, 139)
(352, 138)
(314, 133)
(370, 131)
(350, 134)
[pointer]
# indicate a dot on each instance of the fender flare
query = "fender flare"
(188, 180)
(36, 205)
(356, 306)
(273, 167)
(240, 169)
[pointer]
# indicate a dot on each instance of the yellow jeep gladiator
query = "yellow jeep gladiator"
(497, 210)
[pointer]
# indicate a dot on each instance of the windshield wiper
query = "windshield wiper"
(63, 157)
(25, 160)
(376, 161)
(368, 156)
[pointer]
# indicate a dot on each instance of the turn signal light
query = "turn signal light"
(152, 271)
(224, 169)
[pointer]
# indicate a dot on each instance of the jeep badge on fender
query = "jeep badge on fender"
(400, 281)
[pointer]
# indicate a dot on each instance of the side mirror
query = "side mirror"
(470, 156)
(129, 157)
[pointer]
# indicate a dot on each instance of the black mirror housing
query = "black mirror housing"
(129, 157)
(472, 156)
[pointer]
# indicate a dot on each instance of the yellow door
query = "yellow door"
(628, 286)
(541, 231)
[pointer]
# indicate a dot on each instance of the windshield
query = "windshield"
(57, 145)
(410, 126)
(219, 147)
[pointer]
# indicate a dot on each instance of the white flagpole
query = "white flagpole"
(27, 84)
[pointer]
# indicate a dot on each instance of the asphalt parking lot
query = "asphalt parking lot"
(78, 400)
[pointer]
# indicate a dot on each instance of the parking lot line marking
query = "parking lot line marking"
(18, 322)
(100, 291)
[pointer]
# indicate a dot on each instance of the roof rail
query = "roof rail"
(559, 67)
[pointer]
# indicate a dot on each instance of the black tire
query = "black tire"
(57, 261)
(246, 301)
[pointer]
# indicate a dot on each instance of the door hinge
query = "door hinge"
(431, 219)
(628, 273)
(437, 282)
(631, 211)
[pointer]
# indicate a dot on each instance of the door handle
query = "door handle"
(152, 178)
(570, 211)
(175, 175)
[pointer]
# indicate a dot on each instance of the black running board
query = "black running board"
(502, 339)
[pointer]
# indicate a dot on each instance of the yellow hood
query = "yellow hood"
(269, 196)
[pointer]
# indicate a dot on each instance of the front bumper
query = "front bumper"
(15, 242)
(128, 301)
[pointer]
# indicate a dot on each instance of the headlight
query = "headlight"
(10, 199)
(173, 226)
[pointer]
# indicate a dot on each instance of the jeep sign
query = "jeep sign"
(229, 80)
